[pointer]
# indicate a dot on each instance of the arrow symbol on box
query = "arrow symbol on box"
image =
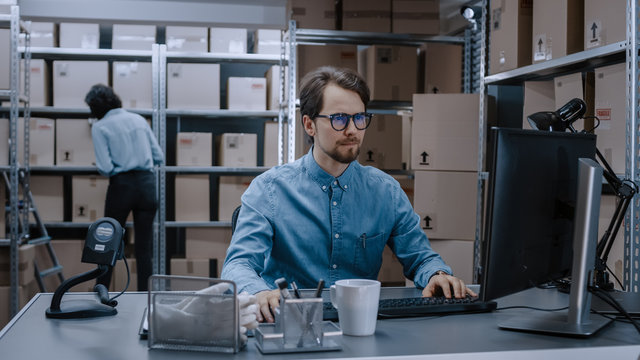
(594, 27)
(427, 222)
(424, 158)
(370, 154)
(540, 42)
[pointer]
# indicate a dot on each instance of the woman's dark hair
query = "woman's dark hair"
(101, 99)
(313, 85)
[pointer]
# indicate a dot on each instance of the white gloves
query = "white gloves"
(201, 317)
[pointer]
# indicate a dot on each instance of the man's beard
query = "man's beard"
(345, 158)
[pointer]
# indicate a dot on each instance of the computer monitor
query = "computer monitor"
(529, 221)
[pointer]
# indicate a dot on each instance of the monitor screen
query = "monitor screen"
(528, 228)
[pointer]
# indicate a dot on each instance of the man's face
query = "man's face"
(340, 146)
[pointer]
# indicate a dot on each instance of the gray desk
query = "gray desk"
(32, 336)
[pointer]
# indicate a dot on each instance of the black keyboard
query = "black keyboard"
(420, 306)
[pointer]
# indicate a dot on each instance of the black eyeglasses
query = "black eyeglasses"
(340, 121)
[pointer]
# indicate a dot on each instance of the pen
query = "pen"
(296, 293)
(282, 284)
(320, 287)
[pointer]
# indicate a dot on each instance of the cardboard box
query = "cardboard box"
(271, 143)
(444, 132)
(73, 79)
(187, 38)
(25, 293)
(446, 203)
(69, 254)
(267, 42)
(26, 254)
(194, 149)
(566, 88)
(237, 150)
(77, 35)
(604, 22)
(39, 82)
(195, 267)
(415, 17)
(380, 145)
(230, 191)
(43, 34)
(247, 93)
(74, 146)
(610, 100)
(366, 15)
(132, 81)
(228, 40)
(442, 68)
(4, 142)
(538, 96)
(5, 59)
(119, 276)
(391, 271)
(510, 32)
(407, 185)
(133, 37)
(273, 87)
(41, 141)
(193, 86)
(311, 57)
(558, 27)
(458, 254)
(48, 197)
(88, 194)
(390, 71)
(192, 198)
(208, 243)
(313, 14)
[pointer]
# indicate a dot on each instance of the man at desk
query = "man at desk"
(325, 216)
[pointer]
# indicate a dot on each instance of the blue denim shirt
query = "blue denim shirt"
(299, 222)
(123, 141)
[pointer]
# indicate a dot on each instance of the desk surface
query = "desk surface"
(30, 335)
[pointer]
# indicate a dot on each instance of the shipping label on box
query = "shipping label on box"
(228, 40)
(193, 86)
(187, 38)
(76, 35)
(238, 150)
(192, 198)
(88, 195)
(194, 149)
(446, 203)
(380, 145)
(132, 83)
(133, 37)
(604, 22)
(610, 101)
(74, 145)
(538, 96)
(444, 132)
(247, 93)
(230, 192)
(73, 79)
(41, 141)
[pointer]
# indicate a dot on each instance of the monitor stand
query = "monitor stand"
(577, 320)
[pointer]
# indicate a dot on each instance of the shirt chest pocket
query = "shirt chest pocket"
(368, 254)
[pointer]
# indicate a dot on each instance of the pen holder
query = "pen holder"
(301, 322)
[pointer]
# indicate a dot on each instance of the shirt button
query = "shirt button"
(335, 182)
(324, 187)
(335, 203)
(335, 266)
(337, 235)
(345, 186)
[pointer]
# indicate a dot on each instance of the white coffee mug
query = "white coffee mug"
(357, 304)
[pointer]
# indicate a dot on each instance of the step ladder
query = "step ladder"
(24, 228)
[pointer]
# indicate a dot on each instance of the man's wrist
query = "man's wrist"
(440, 272)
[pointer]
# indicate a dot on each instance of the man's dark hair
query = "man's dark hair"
(101, 99)
(313, 85)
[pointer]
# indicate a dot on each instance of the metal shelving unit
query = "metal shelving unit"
(623, 51)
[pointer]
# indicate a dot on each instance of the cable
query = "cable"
(595, 126)
(126, 264)
(531, 307)
(614, 276)
(606, 297)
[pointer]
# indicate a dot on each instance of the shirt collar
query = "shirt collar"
(113, 112)
(324, 179)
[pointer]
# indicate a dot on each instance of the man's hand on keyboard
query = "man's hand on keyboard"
(447, 286)
(268, 301)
